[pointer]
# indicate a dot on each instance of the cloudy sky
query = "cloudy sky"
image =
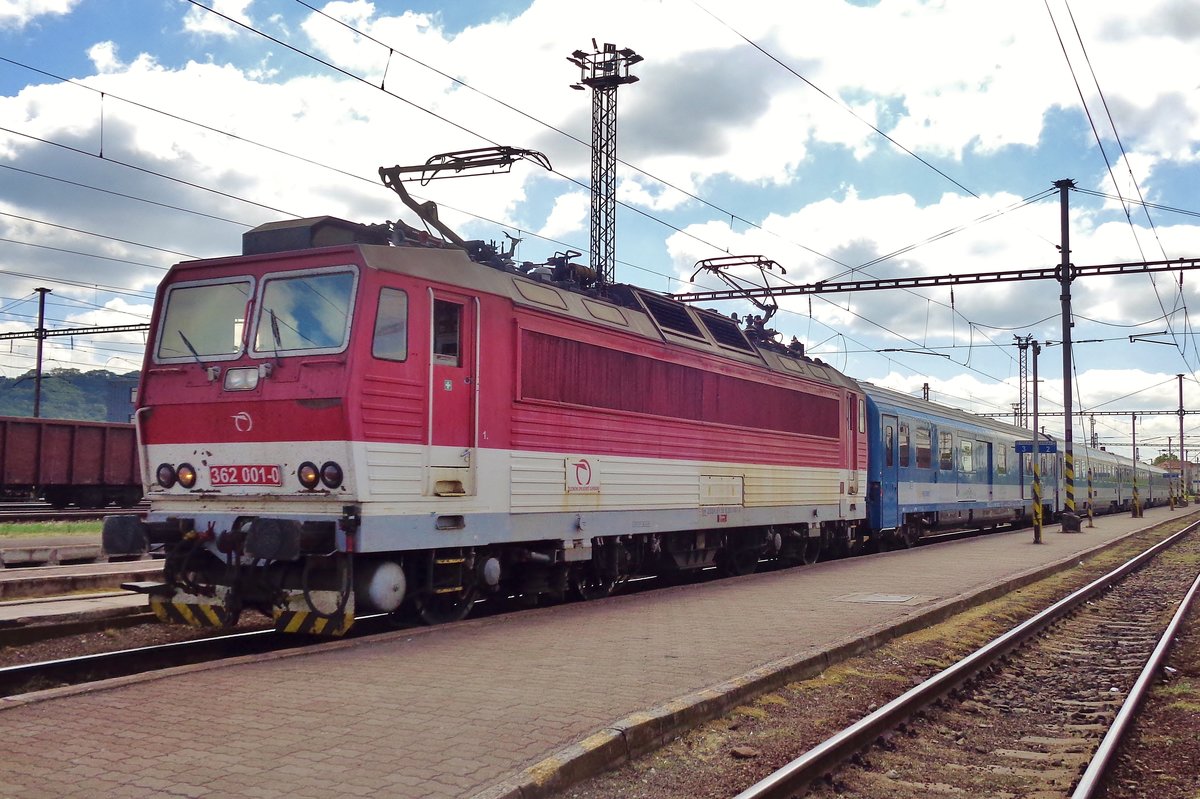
(844, 139)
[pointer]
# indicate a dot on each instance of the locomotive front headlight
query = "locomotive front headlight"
(241, 379)
(165, 475)
(331, 474)
(308, 474)
(186, 474)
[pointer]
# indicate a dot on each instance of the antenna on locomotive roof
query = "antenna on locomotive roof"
(498, 159)
(720, 266)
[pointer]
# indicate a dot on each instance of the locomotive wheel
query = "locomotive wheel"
(588, 585)
(444, 608)
(736, 562)
(810, 553)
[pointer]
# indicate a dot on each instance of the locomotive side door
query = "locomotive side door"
(452, 365)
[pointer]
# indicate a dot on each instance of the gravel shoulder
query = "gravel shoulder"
(728, 754)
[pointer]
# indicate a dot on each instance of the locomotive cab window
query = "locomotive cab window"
(304, 312)
(447, 333)
(203, 321)
(390, 341)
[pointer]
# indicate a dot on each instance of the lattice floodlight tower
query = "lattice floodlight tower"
(604, 71)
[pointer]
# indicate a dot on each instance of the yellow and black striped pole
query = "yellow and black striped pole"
(1069, 479)
(1037, 499)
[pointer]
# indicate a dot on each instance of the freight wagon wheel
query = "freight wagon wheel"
(444, 608)
(90, 498)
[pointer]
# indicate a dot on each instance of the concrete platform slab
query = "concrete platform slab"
(501, 707)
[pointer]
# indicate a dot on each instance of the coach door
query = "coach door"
(452, 370)
(986, 469)
(895, 448)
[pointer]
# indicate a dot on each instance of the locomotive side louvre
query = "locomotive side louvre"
(466, 428)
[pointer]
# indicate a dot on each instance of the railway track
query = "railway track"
(43, 512)
(26, 678)
(1026, 714)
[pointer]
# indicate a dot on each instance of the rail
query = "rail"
(797, 775)
(1090, 783)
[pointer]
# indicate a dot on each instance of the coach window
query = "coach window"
(924, 448)
(1001, 460)
(945, 451)
(889, 445)
(903, 442)
(391, 326)
(447, 332)
(967, 463)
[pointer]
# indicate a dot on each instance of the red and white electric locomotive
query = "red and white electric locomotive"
(350, 419)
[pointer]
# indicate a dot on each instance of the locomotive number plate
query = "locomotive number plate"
(245, 475)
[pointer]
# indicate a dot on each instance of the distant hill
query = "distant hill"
(99, 396)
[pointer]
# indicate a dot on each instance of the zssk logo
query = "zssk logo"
(242, 422)
(583, 473)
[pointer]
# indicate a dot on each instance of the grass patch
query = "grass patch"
(756, 713)
(1184, 687)
(80, 527)
(775, 699)
(1180, 704)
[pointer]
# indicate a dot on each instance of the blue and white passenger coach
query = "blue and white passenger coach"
(933, 467)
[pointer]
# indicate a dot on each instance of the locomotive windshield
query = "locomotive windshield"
(203, 321)
(304, 312)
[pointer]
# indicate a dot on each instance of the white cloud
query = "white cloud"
(104, 57)
(202, 22)
(569, 216)
(19, 13)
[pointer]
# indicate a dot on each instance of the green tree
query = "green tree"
(68, 394)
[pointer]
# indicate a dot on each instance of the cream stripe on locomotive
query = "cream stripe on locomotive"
(411, 484)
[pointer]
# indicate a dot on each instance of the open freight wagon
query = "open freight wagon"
(69, 462)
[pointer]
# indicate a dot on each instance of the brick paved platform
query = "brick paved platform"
(499, 707)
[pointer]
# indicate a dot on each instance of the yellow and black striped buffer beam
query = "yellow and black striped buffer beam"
(194, 614)
(304, 621)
